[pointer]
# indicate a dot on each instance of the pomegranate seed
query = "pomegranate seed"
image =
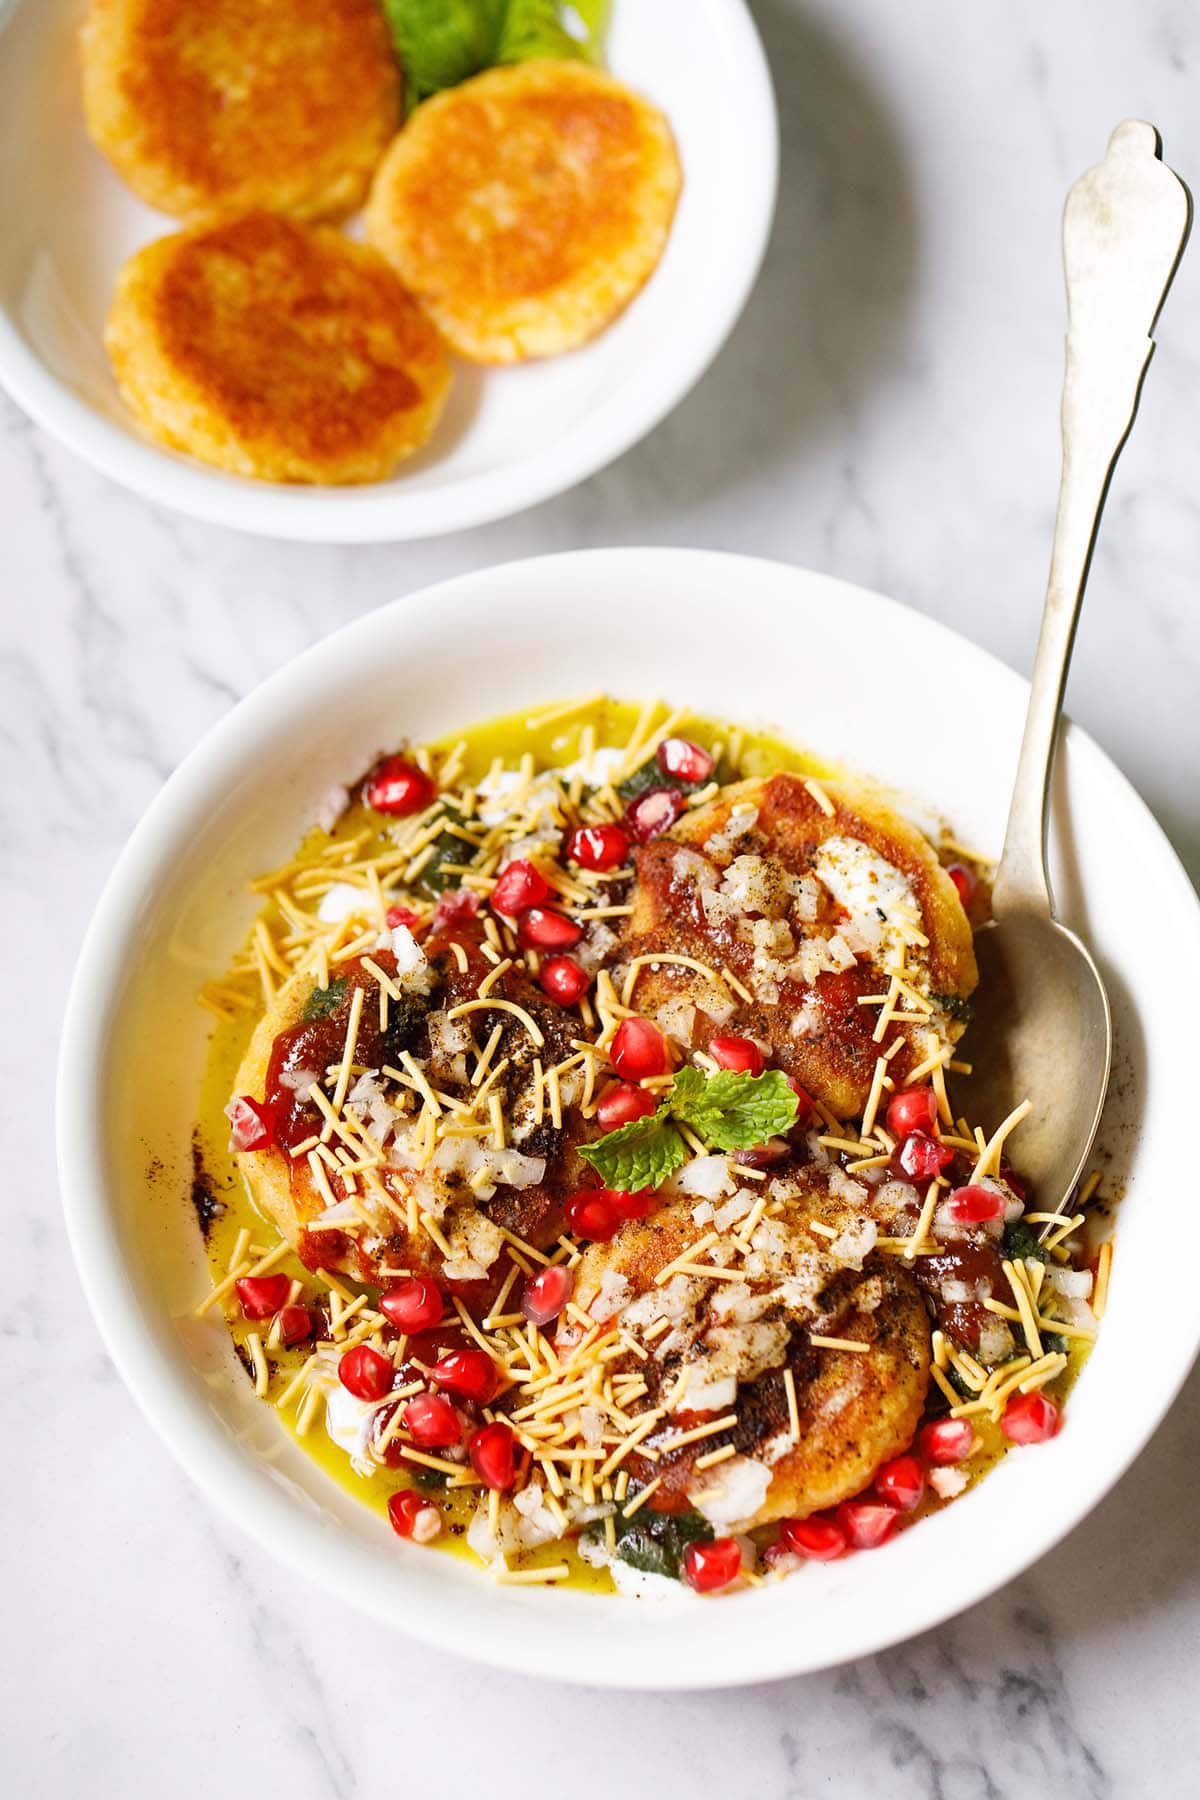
(739, 1053)
(295, 1324)
(544, 929)
(901, 1483)
(546, 1293)
(593, 1216)
(491, 1450)
(821, 1538)
(974, 1205)
(454, 907)
(804, 1104)
(632, 1206)
(866, 1523)
(707, 1567)
(469, 1373)
(923, 1157)
(947, 1440)
(399, 787)
(638, 1050)
(432, 1422)
(519, 887)
(402, 915)
(261, 1296)
(366, 1374)
(654, 812)
(964, 880)
(621, 1104)
(251, 1122)
(598, 846)
(413, 1516)
(913, 1109)
(1030, 1419)
(563, 980)
(413, 1305)
(403, 1508)
(685, 760)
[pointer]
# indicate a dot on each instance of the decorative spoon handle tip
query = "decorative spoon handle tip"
(1125, 226)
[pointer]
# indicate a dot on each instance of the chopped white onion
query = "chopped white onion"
(1075, 1284)
(854, 1243)
(300, 1081)
(612, 1295)
(707, 1396)
(408, 953)
(948, 1482)
(706, 1177)
(342, 901)
(447, 1037)
(732, 1493)
(349, 1423)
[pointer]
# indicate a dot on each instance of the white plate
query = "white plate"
(510, 437)
(762, 643)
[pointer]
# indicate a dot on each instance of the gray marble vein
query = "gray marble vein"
(886, 410)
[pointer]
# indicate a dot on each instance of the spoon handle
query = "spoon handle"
(1124, 228)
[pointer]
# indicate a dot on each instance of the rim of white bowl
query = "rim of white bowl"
(362, 514)
(212, 1460)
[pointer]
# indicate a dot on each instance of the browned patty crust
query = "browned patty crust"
(278, 350)
(527, 207)
(854, 1408)
(835, 1063)
(210, 108)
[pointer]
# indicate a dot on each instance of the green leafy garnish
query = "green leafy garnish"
(730, 1110)
(639, 1155)
(956, 1006)
(322, 1003)
(442, 42)
(435, 878)
(1021, 1241)
(648, 775)
(734, 1110)
(960, 1385)
(656, 1542)
(537, 28)
(430, 1481)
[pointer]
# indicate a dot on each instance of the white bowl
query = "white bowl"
(510, 437)
(762, 643)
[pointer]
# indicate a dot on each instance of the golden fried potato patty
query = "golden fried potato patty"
(292, 1037)
(732, 1341)
(527, 207)
(810, 910)
(275, 349)
(212, 108)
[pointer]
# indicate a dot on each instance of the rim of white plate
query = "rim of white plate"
(385, 512)
(454, 1614)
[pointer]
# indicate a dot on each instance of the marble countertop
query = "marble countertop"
(886, 411)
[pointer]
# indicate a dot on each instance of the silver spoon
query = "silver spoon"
(1042, 1028)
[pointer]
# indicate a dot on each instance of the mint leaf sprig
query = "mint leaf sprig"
(442, 42)
(639, 1155)
(731, 1110)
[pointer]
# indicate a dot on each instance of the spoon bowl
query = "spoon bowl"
(1034, 970)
